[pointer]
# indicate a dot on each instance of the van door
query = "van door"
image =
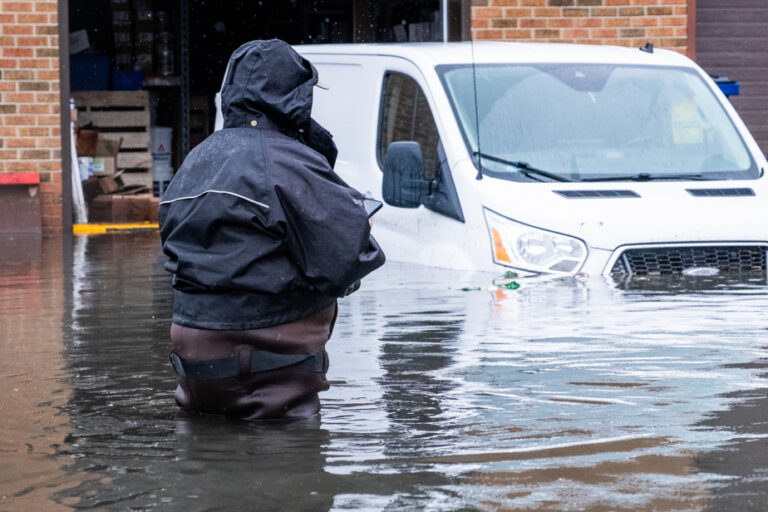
(426, 224)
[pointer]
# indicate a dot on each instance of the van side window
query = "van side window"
(405, 115)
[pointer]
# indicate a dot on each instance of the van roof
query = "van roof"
(497, 51)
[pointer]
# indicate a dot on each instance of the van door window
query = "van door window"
(405, 115)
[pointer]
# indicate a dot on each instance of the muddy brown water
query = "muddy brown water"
(561, 395)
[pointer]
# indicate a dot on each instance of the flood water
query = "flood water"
(562, 395)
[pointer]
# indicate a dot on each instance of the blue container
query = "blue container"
(729, 87)
(127, 80)
(88, 72)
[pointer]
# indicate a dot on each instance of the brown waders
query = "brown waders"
(258, 374)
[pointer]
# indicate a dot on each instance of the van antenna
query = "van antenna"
(477, 116)
(648, 48)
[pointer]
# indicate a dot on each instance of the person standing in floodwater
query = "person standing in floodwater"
(262, 237)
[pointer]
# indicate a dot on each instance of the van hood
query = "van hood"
(607, 216)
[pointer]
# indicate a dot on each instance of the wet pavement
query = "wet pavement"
(561, 395)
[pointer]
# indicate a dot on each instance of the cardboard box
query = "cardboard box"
(105, 156)
(99, 185)
(86, 142)
(122, 208)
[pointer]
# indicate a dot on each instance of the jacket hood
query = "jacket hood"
(271, 78)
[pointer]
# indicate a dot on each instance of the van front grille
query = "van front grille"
(660, 261)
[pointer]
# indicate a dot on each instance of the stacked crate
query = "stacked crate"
(124, 115)
(122, 29)
(134, 35)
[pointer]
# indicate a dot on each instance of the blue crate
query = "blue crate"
(127, 80)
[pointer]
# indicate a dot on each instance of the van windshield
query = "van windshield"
(594, 122)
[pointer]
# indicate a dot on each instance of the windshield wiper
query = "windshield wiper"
(523, 166)
(644, 176)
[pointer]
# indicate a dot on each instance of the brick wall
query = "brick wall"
(30, 139)
(616, 22)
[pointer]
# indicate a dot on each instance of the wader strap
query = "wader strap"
(261, 361)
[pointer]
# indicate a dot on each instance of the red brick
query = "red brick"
(588, 22)
(673, 21)
(548, 33)
(603, 11)
(46, 30)
(489, 34)
(21, 97)
(36, 154)
(560, 22)
(34, 86)
(47, 52)
(22, 74)
(46, 97)
(34, 109)
(576, 32)
(8, 154)
(33, 131)
(487, 12)
(661, 32)
(605, 33)
(31, 18)
(46, 6)
(548, 12)
(616, 22)
(19, 120)
(21, 166)
(32, 41)
(52, 165)
(11, 30)
(530, 23)
(50, 209)
(18, 52)
(517, 34)
(49, 142)
(48, 120)
(36, 63)
(8, 63)
(518, 13)
(20, 143)
(46, 74)
(575, 11)
(16, 6)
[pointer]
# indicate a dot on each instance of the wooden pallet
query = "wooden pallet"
(121, 114)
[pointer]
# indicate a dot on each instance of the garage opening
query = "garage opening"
(144, 73)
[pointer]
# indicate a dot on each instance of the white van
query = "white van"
(545, 158)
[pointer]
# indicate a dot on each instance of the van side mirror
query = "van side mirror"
(404, 184)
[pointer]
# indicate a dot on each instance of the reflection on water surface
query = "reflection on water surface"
(561, 395)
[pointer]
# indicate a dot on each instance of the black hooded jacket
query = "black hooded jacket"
(257, 227)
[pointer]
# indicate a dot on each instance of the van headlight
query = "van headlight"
(528, 248)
